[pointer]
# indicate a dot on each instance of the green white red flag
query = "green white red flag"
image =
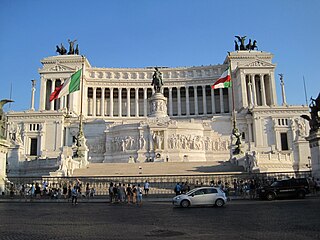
(224, 80)
(69, 86)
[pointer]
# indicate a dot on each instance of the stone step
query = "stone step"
(156, 168)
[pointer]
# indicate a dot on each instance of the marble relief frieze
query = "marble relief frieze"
(168, 74)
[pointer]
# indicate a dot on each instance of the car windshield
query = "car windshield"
(200, 191)
(190, 192)
(276, 184)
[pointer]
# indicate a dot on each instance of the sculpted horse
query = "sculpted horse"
(157, 80)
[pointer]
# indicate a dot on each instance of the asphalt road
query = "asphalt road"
(242, 219)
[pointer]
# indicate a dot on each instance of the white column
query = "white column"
(145, 102)
(43, 92)
(103, 101)
(94, 112)
(258, 137)
(221, 100)
(85, 101)
(98, 109)
(213, 102)
(273, 93)
(170, 102)
(137, 101)
(254, 95)
(249, 132)
(243, 91)
(179, 101)
(128, 102)
(204, 100)
(120, 102)
(196, 110)
(53, 84)
(187, 101)
(33, 89)
(62, 102)
(111, 102)
(263, 91)
(90, 106)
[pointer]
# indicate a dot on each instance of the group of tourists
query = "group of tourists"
(70, 191)
(130, 193)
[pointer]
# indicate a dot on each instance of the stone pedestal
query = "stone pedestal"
(301, 152)
(82, 149)
(158, 106)
(3, 158)
(314, 144)
(15, 156)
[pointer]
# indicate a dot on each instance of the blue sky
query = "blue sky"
(140, 33)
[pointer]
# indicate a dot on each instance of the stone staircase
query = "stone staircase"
(156, 168)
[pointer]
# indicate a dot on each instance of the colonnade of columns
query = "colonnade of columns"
(133, 102)
(61, 103)
(259, 90)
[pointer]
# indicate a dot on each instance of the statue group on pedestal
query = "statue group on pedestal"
(314, 120)
(2, 118)
(242, 46)
(157, 80)
(62, 51)
(237, 144)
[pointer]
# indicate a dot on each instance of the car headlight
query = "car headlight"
(177, 198)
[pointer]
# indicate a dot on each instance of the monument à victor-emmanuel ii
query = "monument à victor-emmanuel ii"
(160, 114)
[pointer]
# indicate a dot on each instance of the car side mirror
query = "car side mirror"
(192, 195)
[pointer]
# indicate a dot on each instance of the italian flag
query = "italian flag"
(69, 86)
(224, 81)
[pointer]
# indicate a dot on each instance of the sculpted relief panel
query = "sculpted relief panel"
(125, 143)
(97, 145)
(140, 74)
(194, 142)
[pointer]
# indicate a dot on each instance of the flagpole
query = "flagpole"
(234, 130)
(232, 113)
(232, 95)
(80, 140)
(81, 94)
(305, 91)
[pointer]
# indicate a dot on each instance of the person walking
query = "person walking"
(177, 189)
(64, 190)
(74, 194)
(139, 195)
(111, 192)
(32, 191)
(122, 192)
(146, 187)
(129, 193)
(134, 194)
(87, 191)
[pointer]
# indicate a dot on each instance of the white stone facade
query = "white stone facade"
(193, 124)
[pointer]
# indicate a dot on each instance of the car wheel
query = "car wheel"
(301, 194)
(270, 196)
(185, 203)
(219, 203)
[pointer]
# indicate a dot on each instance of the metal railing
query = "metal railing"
(159, 184)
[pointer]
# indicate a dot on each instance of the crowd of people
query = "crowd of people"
(67, 190)
(132, 193)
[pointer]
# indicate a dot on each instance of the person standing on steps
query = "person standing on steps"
(146, 188)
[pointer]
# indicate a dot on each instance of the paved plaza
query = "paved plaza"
(240, 219)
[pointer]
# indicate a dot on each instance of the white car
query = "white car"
(201, 196)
